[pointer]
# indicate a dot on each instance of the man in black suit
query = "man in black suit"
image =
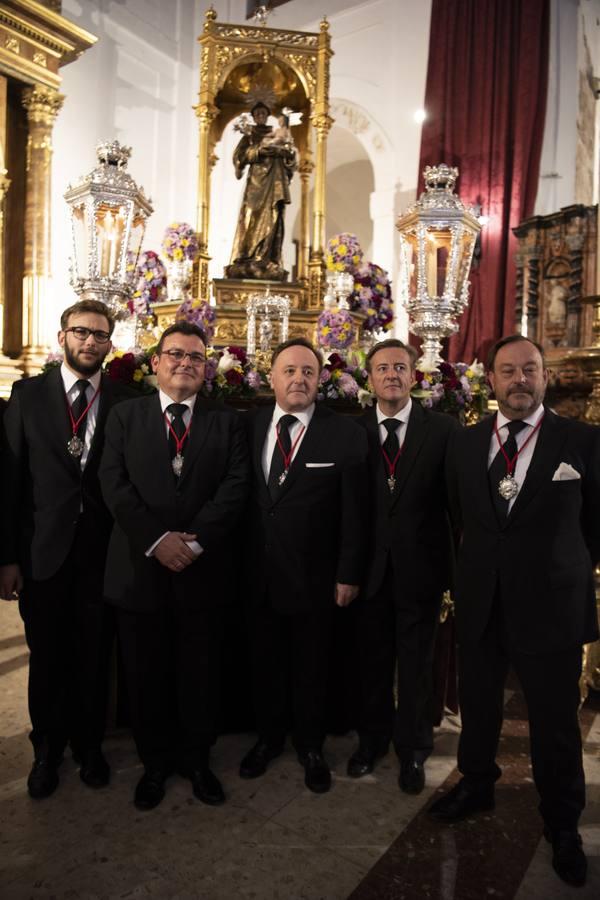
(525, 489)
(174, 475)
(55, 530)
(409, 557)
(306, 548)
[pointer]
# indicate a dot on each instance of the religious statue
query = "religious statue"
(272, 159)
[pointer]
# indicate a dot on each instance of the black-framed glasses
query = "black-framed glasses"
(179, 356)
(82, 334)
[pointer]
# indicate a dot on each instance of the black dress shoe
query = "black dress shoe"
(568, 858)
(258, 758)
(412, 777)
(207, 787)
(150, 789)
(43, 778)
(461, 801)
(317, 776)
(95, 771)
(362, 762)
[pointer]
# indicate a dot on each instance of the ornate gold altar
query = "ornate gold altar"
(35, 41)
(294, 67)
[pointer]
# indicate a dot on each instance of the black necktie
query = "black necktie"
(177, 424)
(282, 446)
(391, 445)
(79, 405)
(499, 469)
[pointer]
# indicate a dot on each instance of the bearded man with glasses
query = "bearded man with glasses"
(174, 475)
(54, 534)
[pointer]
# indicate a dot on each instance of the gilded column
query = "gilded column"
(305, 169)
(322, 123)
(42, 104)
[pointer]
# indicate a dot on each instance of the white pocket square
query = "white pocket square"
(565, 472)
(319, 465)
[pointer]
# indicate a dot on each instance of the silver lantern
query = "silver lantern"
(437, 239)
(108, 216)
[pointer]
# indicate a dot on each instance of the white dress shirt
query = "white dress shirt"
(524, 458)
(297, 434)
(403, 415)
(69, 381)
(189, 402)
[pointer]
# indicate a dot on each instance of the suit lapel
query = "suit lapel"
(105, 401)
(262, 423)
(543, 462)
(477, 465)
(56, 412)
(155, 429)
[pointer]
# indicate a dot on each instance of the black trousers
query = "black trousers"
(69, 632)
(397, 633)
(172, 661)
(290, 657)
(550, 683)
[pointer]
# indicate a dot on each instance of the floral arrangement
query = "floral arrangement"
(180, 242)
(131, 368)
(373, 295)
(335, 329)
(149, 278)
(344, 253)
(229, 373)
(343, 378)
(201, 313)
(454, 388)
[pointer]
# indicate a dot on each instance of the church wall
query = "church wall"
(136, 85)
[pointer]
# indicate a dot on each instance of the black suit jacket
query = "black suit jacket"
(313, 534)
(541, 558)
(410, 528)
(146, 501)
(43, 487)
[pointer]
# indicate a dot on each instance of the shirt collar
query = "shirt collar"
(531, 419)
(304, 416)
(402, 415)
(70, 378)
(165, 401)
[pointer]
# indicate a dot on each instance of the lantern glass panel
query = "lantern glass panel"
(437, 249)
(110, 225)
(137, 235)
(80, 240)
(464, 261)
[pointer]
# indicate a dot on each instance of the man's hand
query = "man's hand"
(345, 594)
(11, 581)
(173, 552)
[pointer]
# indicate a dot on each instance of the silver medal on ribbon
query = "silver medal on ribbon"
(75, 446)
(177, 464)
(508, 487)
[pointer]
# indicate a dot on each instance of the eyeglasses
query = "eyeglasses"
(82, 334)
(179, 356)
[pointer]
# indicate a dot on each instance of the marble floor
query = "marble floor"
(273, 839)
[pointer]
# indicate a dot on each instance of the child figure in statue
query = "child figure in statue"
(271, 159)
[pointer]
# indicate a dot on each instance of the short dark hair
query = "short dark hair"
(511, 339)
(87, 306)
(260, 105)
(181, 327)
(297, 342)
(388, 343)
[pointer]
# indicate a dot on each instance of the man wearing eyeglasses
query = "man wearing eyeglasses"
(174, 475)
(409, 568)
(55, 530)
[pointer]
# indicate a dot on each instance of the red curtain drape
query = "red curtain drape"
(485, 98)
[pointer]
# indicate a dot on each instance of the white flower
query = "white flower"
(477, 368)
(365, 398)
(228, 361)
(151, 380)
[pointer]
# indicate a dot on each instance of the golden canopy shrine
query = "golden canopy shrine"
(238, 62)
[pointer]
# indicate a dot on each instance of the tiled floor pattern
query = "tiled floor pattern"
(273, 839)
